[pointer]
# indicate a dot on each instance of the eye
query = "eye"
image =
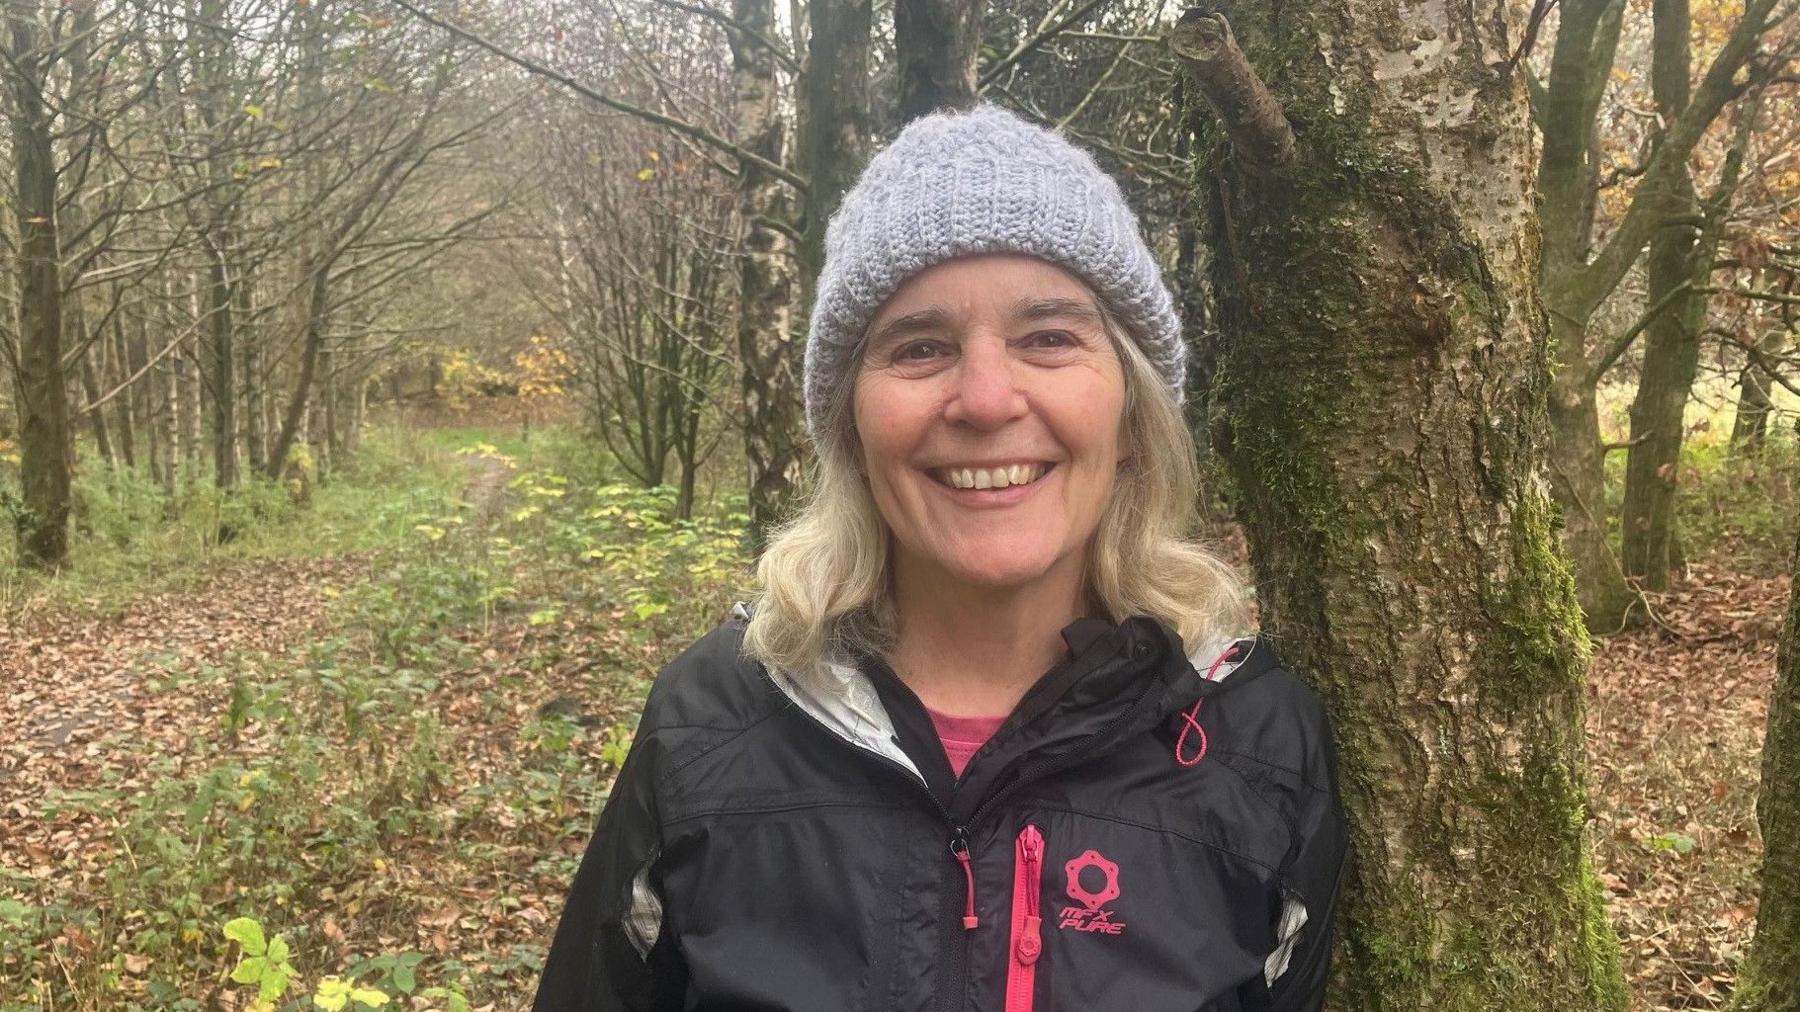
(1053, 339)
(912, 352)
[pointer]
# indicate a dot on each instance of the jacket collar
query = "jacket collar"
(1116, 680)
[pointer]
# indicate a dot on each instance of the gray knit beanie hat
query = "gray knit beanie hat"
(981, 181)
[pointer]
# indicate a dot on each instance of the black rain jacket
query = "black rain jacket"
(1135, 837)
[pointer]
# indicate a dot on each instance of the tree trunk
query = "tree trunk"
(1576, 452)
(935, 43)
(215, 106)
(256, 438)
(1671, 346)
(220, 303)
(1750, 424)
(1769, 980)
(311, 341)
(1576, 277)
(330, 405)
(1379, 401)
(834, 126)
(122, 420)
(769, 357)
(359, 411)
(1568, 177)
(1681, 254)
(166, 400)
(1671, 360)
(317, 439)
(187, 392)
(42, 524)
(325, 420)
(90, 392)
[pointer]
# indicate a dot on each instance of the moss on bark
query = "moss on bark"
(1769, 980)
(1379, 401)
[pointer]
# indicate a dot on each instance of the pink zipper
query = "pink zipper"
(1027, 941)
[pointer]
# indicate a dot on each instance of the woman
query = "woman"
(956, 756)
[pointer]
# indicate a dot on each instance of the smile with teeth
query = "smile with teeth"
(990, 477)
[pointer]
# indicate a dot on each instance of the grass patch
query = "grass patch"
(129, 537)
(1733, 508)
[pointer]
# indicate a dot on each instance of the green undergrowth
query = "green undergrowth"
(436, 755)
(128, 536)
(1735, 509)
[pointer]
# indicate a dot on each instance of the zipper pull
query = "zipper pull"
(1031, 861)
(959, 849)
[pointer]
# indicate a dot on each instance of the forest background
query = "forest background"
(389, 388)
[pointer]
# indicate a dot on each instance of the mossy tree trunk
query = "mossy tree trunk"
(1769, 980)
(42, 525)
(1678, 263)
(1580, 269)
(1379, 401)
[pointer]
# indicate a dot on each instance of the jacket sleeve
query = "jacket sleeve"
(1298, 969)
(611, 952)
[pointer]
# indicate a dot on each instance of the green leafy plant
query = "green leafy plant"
(265, 963)
(617, 747)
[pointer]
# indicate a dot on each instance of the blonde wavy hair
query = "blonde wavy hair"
(823, 587)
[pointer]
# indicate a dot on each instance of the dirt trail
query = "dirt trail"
(486, 491)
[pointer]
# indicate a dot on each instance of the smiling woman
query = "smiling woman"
(954, 754)
(990, 406)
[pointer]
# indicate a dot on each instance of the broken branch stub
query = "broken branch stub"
(1261, 137)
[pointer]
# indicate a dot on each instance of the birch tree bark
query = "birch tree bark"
(1379, 402)
(768, 352)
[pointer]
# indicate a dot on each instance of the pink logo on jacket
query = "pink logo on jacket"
(1090, 915)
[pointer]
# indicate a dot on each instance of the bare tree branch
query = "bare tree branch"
(734, 26)
(1030, 44)
(699, 133)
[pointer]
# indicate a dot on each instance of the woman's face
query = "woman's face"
(989, 408)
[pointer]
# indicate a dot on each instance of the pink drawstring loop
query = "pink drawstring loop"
(1190, 720)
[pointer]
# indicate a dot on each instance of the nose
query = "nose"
(987, 393)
